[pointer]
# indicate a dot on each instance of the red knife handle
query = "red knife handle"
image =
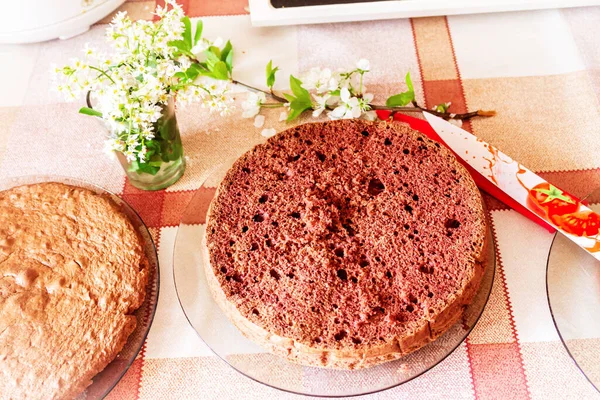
(482, 182)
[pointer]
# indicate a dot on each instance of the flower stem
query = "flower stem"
(102, 72)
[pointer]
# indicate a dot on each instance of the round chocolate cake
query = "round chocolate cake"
(345, 244)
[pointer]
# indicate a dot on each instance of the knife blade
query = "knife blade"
(563, 211)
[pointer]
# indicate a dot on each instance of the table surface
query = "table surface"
(538, 69)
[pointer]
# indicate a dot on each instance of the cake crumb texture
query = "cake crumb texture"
(72, 272)
(349, 243)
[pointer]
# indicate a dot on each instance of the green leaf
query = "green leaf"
(402, 99)
(192, 72)
(198, 33)
(297, 89)
(182, 46)
(90, 111)
(215, 50)
(271, 74)
(226, 50)
(409, 83)
(300, 102)
(211, 59)
(180, 75)
(229, 61)
(220, 72)
(294, 114)
(187, 33)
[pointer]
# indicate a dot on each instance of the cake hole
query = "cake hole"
(377, 258)
(415, 197)
(336, 320)
(308, 142)
(263, 199)
(318, 340)
(255, 311)
(411, 236)
(408, 208)
(410, 308)
(426, 269)
(236, 277)
(388, 274)
(379, 310)
(231, 243)
(406, 151)
(406, 226)
(246, 170)
(335, 306)
(275, 224)
(430, 295)
(268, 243)
(295, 215)
(333, 157)
(365, 133)
(274, 274)
(364, 263)
(253, 247)
(224, 270)
(313, 309)
(258, 218)
(296, 134)
(340, 335)
(339, 252)
(354, 280)
(449, 233)
(452, 223)
(375, 187)
(412, 299)
(291, 275)
(294, 158)
(244, 229)
(356, 340)
(387, 142)
(404, 168)
(320, 156)
(342, 274)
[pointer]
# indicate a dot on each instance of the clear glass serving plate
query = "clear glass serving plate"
(573, 287)
(106, 380)
(227, 342)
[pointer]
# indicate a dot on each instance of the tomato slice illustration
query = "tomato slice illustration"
(582, 223)
(551, 200)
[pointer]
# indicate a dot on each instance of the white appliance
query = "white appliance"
(292, 12)
(26, 21)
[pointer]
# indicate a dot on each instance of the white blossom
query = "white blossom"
(317, 79)
(283, 116)
(349, 106)
(133, 84)
(269, 132)
(252, 104)
(320, 104)
(363, 65)
(259, 121)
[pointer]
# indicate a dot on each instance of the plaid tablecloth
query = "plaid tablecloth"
(538, 69)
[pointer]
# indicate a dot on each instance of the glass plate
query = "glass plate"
(221, 336)
(108, 378)
(573, 287)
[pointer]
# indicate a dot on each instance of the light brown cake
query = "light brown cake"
(72, 271)
(346, 244)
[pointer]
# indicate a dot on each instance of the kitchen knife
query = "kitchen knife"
(554, 206)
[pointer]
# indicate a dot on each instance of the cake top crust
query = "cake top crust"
(72, 270)
(345, 233)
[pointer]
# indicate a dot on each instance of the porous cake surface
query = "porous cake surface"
(72, 272)
(347, 243)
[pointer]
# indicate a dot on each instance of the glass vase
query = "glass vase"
(167, 163)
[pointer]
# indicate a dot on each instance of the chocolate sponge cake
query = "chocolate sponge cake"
(345, 244)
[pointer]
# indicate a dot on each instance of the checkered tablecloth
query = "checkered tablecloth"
(538, 69)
